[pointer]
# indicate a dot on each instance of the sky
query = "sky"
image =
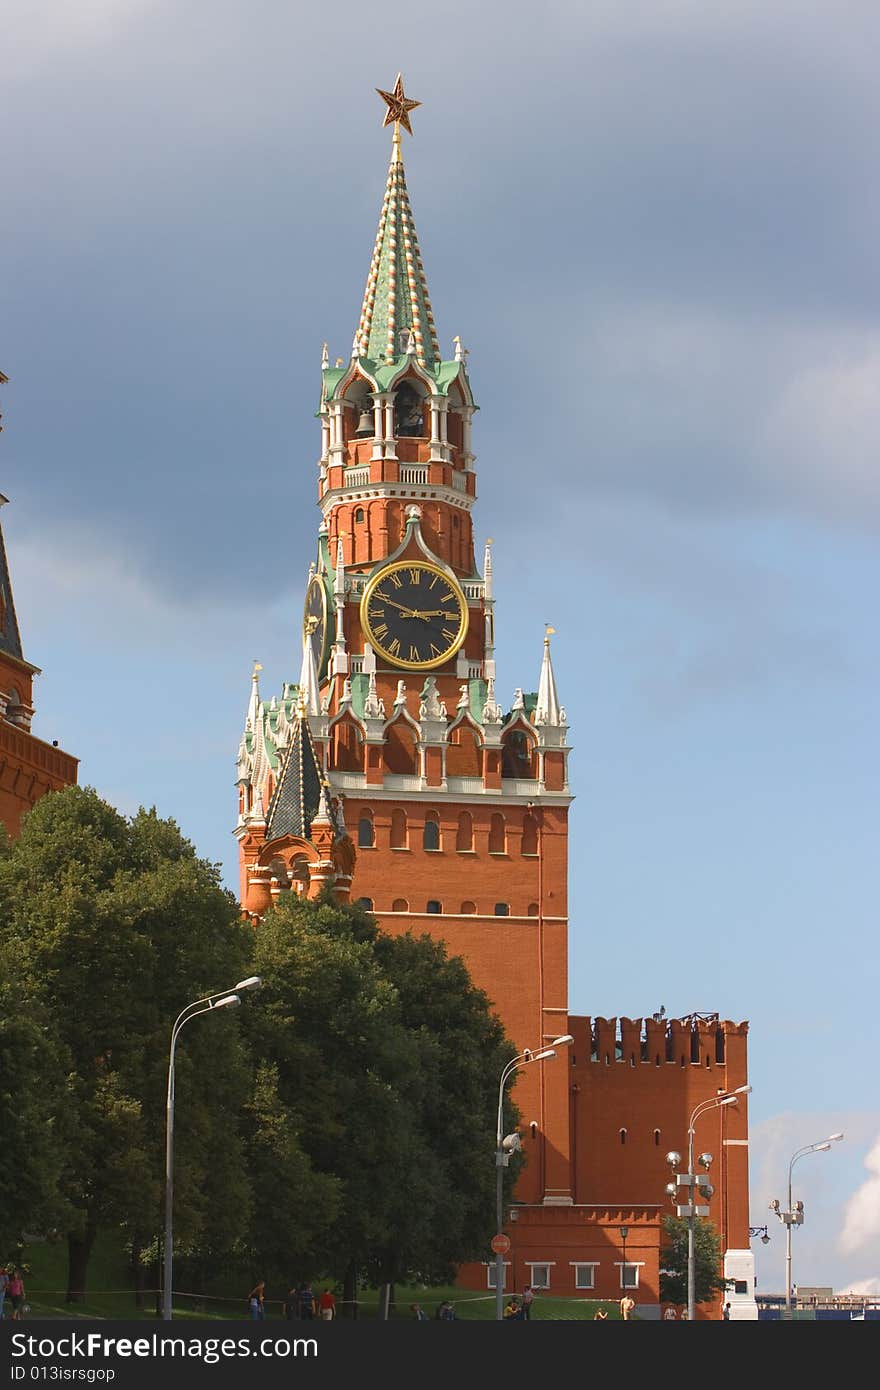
(654, 226)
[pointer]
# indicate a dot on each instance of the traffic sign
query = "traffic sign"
(501, 1244)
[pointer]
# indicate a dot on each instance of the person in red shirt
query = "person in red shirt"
(327, 1306)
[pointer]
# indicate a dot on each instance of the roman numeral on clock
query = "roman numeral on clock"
(381, 631)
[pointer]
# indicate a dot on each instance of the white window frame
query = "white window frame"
(591, 1265)
(622, 1266)
(490, 1276)
(534, 1265)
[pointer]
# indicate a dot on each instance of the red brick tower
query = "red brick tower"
(28, 766)
(458, 808)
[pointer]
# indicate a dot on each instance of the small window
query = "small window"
(434, 906)
(491, 1273)
(431, 834)
(740, 1286)
(540, 1276)
(623, 1136)
(532, 909)
(496, 834)
(365, 903)
(629, 1276)
(400, 905)
(365, 831)
(502, 909)
(359, 514)
(656, 1138)
(585, 1276)
(468, 908)
(530, 835)
(398, 829)
(464, 839)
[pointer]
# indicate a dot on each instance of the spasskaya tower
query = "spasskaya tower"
(390, 768)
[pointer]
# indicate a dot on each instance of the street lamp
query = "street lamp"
(221, 999)
(794, 1216)
(698, 1185)
(624, 1232)
(505, 1146)
(759, 1231)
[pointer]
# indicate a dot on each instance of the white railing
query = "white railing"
(474, 590)
(356, 477)
(475, 672)
(459, 482)
(413, 472)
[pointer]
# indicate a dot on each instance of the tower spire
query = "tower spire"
(396, 300)
(548, 709)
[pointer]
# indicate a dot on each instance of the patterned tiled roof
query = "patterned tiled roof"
(297, 797)
(396, 297)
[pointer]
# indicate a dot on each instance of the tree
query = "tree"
(708, 1281)
(116, 925)
(385, 1060)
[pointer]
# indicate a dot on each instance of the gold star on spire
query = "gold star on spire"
(398, 105)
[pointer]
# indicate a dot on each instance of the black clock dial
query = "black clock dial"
(414, 614)
(315, 618)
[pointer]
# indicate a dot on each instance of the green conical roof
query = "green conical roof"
(396, 298)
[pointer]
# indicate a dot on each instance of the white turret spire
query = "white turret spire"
(308, 676)
(548, 709)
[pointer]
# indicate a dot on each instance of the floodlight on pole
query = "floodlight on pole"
(209, 1003)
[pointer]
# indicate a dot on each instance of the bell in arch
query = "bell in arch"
(365, 421)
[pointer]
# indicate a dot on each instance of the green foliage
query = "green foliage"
(115, 925)
(384, 1062)
(708, 1281)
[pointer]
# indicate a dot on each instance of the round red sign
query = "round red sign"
(501, 1244)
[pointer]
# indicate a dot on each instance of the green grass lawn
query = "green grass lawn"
(110, 1294)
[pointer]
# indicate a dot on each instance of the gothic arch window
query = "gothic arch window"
(434, 906)
(464, 839)
(529, 834)
(497, 834)
(431, 832)
(400, 748)
(359, 514)
(623, 1136)
(398, 829)
(464, 753)
(366, 833)
(502, 909)
(365, 903)
(408, 417)
(400, 905)
(467, 908)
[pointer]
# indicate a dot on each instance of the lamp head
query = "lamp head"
(742, 1090)
(774, 1205)
(671, 1189)
(673, 1158)
(821, 1148)
(705, 1160)
(565, 1041)
(229, 1001)
(252, 982)
(834, 1137)
(765, 1239)
(624, 1232)
(707, 1190)
(542, 1056)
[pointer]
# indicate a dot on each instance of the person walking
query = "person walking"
(257, 1300)
(418, 1312)
(528, 1299)
(327, 1305)
(725, 1312)
(15, 1294)
(626, 1306)
(308, 1304)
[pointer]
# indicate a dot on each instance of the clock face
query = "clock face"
(315, 617)
(414, 614)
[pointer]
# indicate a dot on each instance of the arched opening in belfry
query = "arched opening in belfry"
(409, 419)
(464, 753)
(518, 757)
(401, 754)
(348, 747)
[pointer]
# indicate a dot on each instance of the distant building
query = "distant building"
(28, 767)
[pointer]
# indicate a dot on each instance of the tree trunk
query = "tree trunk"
(350, 1293)
(157, 1285)
(79, 1248)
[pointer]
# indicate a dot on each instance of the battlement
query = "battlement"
(694, 1039)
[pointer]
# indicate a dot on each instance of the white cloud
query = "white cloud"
(861, 1223)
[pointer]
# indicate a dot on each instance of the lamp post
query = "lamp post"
(504, 1147)
(221, 999)
(624, 1232)
(794, 1216)
(698, 1185)
(760, 1231)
